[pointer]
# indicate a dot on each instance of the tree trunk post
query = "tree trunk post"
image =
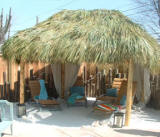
(62, 80)
(129, 94)
(22, 75)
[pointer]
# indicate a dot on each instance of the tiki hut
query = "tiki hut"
(76, 36)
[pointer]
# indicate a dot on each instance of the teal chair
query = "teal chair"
(43, 100)
(77, 96)
(6, 116)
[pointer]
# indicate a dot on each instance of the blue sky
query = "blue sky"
(24, 12)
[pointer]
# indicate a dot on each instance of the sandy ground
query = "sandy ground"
(82, 122)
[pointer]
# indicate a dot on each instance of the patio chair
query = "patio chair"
(6, 116)
(113, 94)
(120, 101)
(77, 96)
(40, 96)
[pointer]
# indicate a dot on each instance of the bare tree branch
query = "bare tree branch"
(150, 18)
(1, 19)
(8, 22)
(4, 28)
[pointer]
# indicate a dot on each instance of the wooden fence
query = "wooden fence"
(155, 92)
(10, 77)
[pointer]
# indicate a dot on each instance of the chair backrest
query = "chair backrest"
(123, 91)
(34, 86)
(118, 83)
(6, 110)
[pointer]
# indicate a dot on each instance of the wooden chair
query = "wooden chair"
(6, 116)
(81, 101)
(120, 84)
(34, 86)
(122, 91)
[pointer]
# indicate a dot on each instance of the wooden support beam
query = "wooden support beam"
(96, 78)
(142, 93)
(27, 72)
(46, 66)
(12, 74)
(8, 70)
(22, 76)
(129, 94)
(62, 80)
(110, 78)
(84, 80)
(90, 86)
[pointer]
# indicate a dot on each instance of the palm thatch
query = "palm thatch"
(96, 36)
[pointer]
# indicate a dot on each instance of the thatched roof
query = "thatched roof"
(96, 36)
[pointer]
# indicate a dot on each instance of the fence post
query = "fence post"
(5, 87)
(1, 89)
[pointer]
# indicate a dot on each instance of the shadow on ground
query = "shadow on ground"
(67, 117)
(138, 132)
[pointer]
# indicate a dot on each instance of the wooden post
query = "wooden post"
(88, 88)
(94, 90)
(8, 70)
(142, 93)
(46, 72)
(62, 80)
(4, 85)
(10, 74)
(116, 73)
(83, 75)
(129, 94)
(22, 75)
(27, 71)
(110, 78)
(90, 84)
(103, 81)
(84, 80)
(96, 78)
(98, 84)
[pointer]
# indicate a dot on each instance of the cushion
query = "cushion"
(123, 100)
(108, 107)
(43, 92)
(77, 89)
(73, 97)
(111, 92)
